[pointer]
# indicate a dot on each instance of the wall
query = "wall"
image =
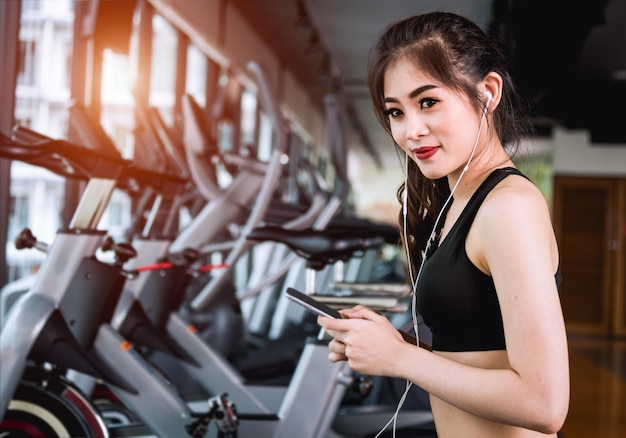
(219, 31)
(574, 154)
(375, 187)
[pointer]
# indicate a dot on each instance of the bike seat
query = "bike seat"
(320, 247)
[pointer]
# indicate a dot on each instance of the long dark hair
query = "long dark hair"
(457, 53)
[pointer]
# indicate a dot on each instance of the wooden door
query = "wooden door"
(618, 246)
(582, 212)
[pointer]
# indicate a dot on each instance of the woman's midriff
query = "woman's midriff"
(452, 422)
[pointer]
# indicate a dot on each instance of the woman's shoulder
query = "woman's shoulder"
(514, 215)
(513, 200)
(514, 189)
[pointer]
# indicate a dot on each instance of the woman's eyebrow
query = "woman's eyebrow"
(414, 93)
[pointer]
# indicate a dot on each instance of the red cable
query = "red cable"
(167, 265)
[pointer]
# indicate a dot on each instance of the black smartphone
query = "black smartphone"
(322, 309)
(311, 303)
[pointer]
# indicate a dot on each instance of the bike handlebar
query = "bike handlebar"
(74, 161)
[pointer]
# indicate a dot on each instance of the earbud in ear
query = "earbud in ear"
(488, 97)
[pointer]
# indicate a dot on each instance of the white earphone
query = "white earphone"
(405, 195)
(415, 280)
(489, 97)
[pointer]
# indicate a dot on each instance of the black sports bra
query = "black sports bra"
(458, 301)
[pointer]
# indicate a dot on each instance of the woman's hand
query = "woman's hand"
(366, 339)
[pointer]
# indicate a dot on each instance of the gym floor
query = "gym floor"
(598, 389)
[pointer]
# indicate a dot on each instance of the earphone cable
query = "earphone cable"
(431, 237)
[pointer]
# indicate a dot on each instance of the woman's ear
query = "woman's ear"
(492, 86)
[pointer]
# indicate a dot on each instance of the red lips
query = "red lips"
(425, 152)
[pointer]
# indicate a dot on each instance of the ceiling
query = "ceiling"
(569, 61)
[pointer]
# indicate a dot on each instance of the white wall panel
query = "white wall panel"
(575, 154)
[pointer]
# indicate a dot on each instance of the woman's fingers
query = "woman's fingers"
(337, 346)
(337, 351)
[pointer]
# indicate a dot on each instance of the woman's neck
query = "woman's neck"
(465, 183)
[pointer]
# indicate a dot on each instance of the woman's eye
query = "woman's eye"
(427, 102)
(393, 112)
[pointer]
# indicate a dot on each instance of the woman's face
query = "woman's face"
(434, 126)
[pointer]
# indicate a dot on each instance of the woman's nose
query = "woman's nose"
(416, 127)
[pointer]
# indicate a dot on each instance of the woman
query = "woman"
(488, 284)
